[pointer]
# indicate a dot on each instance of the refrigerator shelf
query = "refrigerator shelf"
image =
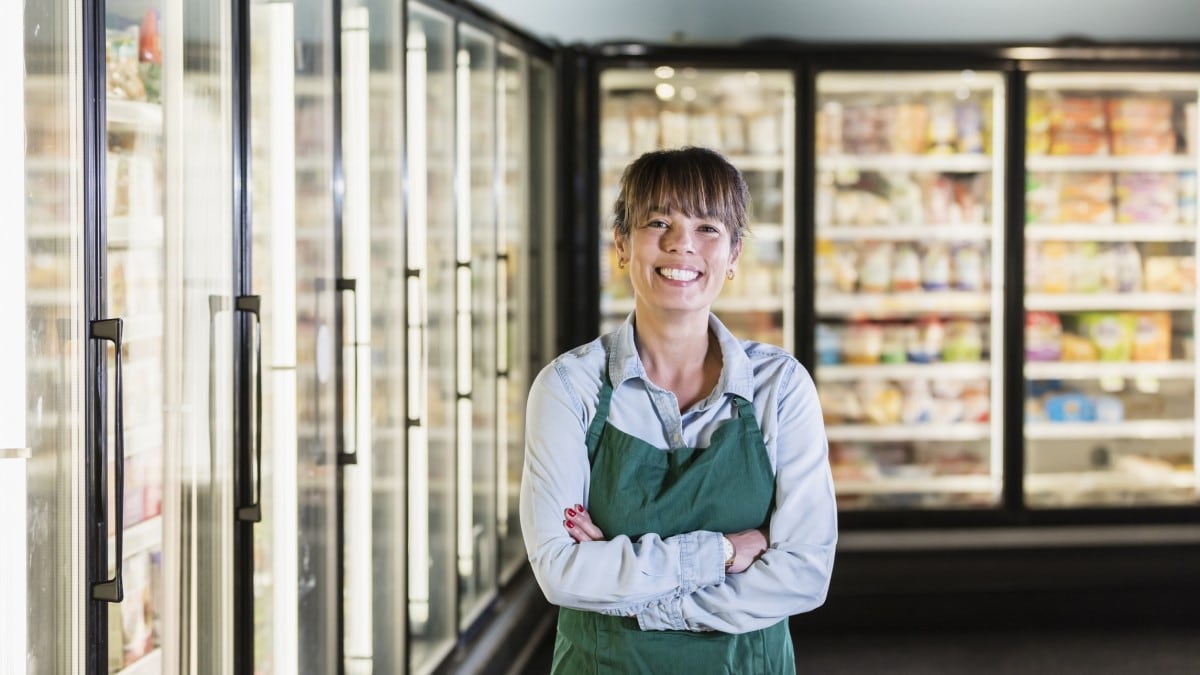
(932, 302)
(910, 163)
(1140, 163)
(1087, 302)
(1088, 370)
(903, 371)
(1065, 483)
(1164, 232)
(924, 484)
(908, 432)
(1134, 429)
(951, 81)
(965, 232)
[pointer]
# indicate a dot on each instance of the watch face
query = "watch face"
(727, 547)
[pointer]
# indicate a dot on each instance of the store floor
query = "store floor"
(1058, 650)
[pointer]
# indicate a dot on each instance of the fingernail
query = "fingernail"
(580, 507)
(570, 524)
(571, 512)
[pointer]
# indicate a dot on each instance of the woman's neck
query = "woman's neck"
(682, 357)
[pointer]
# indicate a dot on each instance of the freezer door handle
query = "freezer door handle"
(112, 590)
(351, 456)
(252, 513)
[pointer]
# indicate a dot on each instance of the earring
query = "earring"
(731, 274)
(620, 263)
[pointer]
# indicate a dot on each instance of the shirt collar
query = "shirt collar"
(737, 376)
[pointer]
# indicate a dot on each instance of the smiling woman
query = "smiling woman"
(677, 497)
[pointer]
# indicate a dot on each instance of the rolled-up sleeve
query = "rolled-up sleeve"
(619, 576)
(793, 575)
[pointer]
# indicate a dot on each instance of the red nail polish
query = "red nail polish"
(571, 512)
(570, 524)
(580, 507)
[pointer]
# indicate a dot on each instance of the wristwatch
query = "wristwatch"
(727, 547)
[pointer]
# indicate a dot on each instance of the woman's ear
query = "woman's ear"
(736, 252)
(622, 244)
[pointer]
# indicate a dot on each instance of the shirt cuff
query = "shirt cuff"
(701, 561)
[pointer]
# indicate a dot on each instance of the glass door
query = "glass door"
(909, 286)
(292, 263)
(431, 276)
(513, 283)
(476, 303)
(373, 254)
(42, 449)
(749, 116)
(165, 334)
(1110, 290)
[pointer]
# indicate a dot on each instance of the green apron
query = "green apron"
(636, 489)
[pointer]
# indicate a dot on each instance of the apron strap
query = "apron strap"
(596, 428)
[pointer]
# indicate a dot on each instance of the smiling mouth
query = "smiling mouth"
(678, 274)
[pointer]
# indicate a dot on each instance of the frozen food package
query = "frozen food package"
(1037, 126)
(1152, 337)
(935, 267)
(1043, 336)
(828, 344)
(963, 342)
(863, 343)
(967, 266)
(909, 128)
(1139, 114)
(875, 273)
(829, 128)
(1082, 142)
(1070, 407)
(906, 269)
(1191, 125)
(1078, 113)
(1111, 332)
(968, 117)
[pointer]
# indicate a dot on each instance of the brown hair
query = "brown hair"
(697, 182)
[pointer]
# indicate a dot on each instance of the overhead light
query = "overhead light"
(664, 90)
(664, 72)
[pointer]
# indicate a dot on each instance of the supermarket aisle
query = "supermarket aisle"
(1059, 650)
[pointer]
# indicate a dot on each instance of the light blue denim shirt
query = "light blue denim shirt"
(679, 583)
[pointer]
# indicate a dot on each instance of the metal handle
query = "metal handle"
(252, 513)
(351, 285)
(112, 590)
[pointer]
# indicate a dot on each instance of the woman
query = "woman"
(677, 502)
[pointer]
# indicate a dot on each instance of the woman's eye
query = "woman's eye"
(657, 223)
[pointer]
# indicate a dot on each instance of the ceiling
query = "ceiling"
(732, 21)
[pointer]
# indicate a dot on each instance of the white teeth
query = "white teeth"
(678, 275)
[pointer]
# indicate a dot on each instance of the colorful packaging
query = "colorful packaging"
(1043, 336)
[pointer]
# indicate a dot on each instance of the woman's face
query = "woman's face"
(677, 262)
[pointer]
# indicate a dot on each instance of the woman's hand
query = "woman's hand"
(580, 526)
(748, 545)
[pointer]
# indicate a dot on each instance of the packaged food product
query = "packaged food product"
(1111, 332)
(1056, 273)
(896, 338)
(927, 347)
(943, 131)
(1078, 348)
(1082, 142)
(1109, 409)
(910, 128)
(968, 117)
(1043, 336)
(1125, 269)
(935, 267)
(1139, 113)
(829, 345)
(863, 343)
(1070, 407)
(881, 401)
(1152, 336)
(875, 275)
(906, 269)
(1162, 274)
(1078, 113)
(1037, 126)
(918, 402)
(968, 267)
(963, 341)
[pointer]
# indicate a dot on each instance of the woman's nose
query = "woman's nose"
(679, 240)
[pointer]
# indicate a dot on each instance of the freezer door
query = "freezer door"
(1110, 289)
(42, 567)
(909, 213)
